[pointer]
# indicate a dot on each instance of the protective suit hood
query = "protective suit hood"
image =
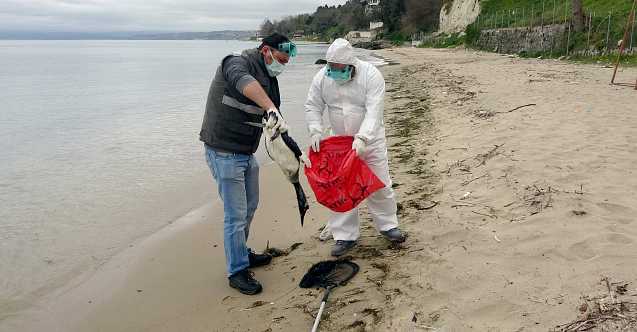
(341, 51)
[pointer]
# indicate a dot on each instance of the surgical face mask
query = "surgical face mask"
(339, 75)
(275, 68)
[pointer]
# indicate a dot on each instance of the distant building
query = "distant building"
(371, 6)
(299, 34)
(375, 26)
(355, 37)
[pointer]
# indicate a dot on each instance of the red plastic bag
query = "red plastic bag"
(339, 178)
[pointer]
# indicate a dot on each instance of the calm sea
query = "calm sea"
(99, 147)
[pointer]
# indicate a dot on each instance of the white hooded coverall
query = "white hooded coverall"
(355, 108)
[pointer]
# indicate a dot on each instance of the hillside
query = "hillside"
(513, 13)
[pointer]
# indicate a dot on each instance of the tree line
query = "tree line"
(400, 17)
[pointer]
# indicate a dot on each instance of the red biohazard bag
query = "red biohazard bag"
(339, 178)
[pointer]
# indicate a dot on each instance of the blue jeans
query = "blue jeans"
(237, 177)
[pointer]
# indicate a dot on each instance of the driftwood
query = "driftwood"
(612, 311)
(517, 108)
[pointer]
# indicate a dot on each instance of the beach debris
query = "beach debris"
(608, 311)
(475, 179)
(256, 304)
(622, 289)
(382, 266)
(369, 252)
(537, 198)
(466, 195)
(377, 314)
(355, 291)
(355, 324)
(517, 108)
(484, 157)
(495, 236)
(275, 252)
(420, 206)
(579, 213)
(492, 216)
(489, 114)
(581, 190)
(484, 114)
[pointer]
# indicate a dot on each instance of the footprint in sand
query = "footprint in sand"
(587, 249)
(619, 239)
(616, 208)
(583, 249)
(624, 221)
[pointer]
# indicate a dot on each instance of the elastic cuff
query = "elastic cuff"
(315, 131)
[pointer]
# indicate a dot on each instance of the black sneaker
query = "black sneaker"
(245, 283)
(394, 235)
(342, 247)
(257, 260)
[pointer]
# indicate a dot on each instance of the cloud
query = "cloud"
(147, 15)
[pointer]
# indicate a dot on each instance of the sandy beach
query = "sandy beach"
(515, 216)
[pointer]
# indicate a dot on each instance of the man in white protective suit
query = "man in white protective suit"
(352, 93)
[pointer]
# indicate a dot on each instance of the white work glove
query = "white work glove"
(359, 146)
(316, 142)
(275, 121)
(305, 160)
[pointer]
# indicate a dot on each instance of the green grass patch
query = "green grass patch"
(512, 13)
(604, 26)
(626, 60)
(445, 41)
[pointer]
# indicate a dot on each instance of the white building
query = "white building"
(375, 25)
(360, 36)
(371, 6)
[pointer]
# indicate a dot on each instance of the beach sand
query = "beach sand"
(514, 216)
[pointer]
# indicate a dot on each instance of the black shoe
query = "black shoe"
(245, 283)
(394, 235)
(342, 247)
(257, 260)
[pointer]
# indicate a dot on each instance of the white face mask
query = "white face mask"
(275, 68)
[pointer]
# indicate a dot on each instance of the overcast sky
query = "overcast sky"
(146, 15)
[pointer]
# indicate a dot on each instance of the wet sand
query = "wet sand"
(514, 214)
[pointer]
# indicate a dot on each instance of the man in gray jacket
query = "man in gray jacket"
(244, 88)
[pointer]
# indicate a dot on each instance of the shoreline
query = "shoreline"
(93, 291)
(512, 216)
(85, 214)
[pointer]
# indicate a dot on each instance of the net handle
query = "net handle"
(317, 321)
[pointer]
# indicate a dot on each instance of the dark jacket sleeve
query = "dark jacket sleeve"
(236, 71)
